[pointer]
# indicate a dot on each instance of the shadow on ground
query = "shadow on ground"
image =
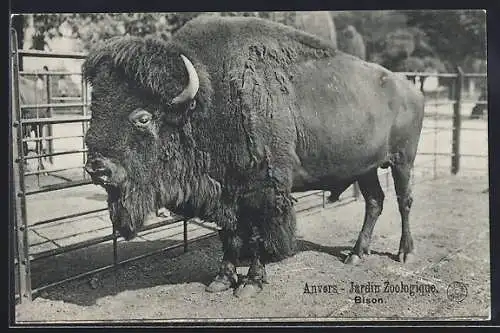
(337, 251)
(198, 265)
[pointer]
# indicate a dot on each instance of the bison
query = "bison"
(229, 117)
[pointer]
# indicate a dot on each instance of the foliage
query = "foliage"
(399, 40)
(287, 18)
(351, 42)
(374, 26)
(440, 40)
(389, 40)
(455, 35)
(89, 28)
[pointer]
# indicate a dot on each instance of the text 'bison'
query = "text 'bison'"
(228, 118)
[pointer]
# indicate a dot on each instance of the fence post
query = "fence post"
(457, 122)
(84, 93)
(185, 234)
(17, 184)
(50, 142)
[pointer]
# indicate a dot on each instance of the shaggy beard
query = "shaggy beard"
(178, 181)
(187, 189)
(129, 207)
(134, 198)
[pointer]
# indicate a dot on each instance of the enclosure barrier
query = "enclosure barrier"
(20, 192)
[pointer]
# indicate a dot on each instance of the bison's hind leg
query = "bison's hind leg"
(371, 190)
(401, 173)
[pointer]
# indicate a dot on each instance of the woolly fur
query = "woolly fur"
(230, 159)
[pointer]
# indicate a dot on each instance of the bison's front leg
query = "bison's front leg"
(256, 276)
(270, 218)
(227, 276)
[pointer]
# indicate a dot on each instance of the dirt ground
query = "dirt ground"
(450, 227)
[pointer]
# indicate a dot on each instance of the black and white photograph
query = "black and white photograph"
(266, 166)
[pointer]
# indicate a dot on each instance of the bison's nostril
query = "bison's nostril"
(98, 170)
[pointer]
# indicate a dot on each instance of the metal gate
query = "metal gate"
(445, 110)
(31, 184)
(27, 184)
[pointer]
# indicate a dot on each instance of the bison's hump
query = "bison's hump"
(241, 32)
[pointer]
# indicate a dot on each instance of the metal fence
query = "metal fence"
(457, 99)
(28, 184)
(31, 184)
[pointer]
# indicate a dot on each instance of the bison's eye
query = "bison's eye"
(144, 119)
(140, 117)
(192, 105)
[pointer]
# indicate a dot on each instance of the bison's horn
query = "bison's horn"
(193, 84)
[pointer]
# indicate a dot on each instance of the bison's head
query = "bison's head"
(141, 147)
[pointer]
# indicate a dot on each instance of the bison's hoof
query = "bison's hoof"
(248, 289)
(163, 212)
(406, 257)
(221, 283)
(352, 259)
(217, 286)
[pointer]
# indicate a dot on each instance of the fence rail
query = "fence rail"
(51, 54)
(21, 191)
(48, 73)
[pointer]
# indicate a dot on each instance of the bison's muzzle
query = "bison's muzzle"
(103, 171)
(111, 176)
(99, 171)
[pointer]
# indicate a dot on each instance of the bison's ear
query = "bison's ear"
(179, 114)
(185, 107)
(192, 105)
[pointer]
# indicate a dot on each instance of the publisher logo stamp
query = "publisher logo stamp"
(457, 291)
